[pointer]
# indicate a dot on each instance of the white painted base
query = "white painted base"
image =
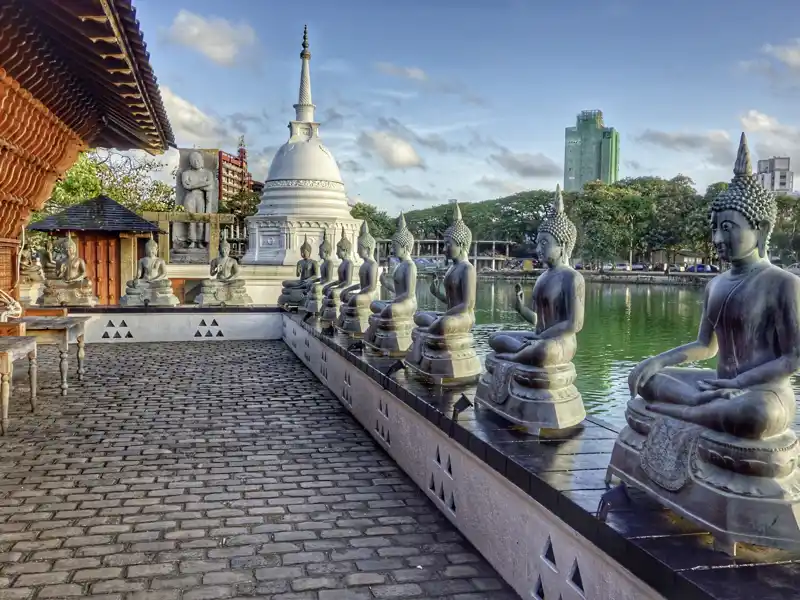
(510, 529)
(263, 281)
(182, 326)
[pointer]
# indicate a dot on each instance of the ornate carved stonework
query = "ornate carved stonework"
(305, 183)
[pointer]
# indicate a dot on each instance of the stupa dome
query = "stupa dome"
(304, 159)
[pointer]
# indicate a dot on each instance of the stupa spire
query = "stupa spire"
(304, 109)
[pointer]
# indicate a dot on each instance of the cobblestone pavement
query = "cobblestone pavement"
(212, 470)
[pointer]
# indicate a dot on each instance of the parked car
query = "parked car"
(623, 266)
(640, 267)
(703, 269)
(677, 268)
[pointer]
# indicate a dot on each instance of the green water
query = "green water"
(623, 325)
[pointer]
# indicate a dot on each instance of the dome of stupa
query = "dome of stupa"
(304, 157)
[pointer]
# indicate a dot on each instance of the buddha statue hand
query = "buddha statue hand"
(642, 373)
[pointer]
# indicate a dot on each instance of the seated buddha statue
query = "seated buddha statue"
(356, 299)
(47, 258)
(529, 377)
(443, 349)
(31, 277)
(389, 331)
(226, 287)
(717, 445)
(315, 286)
(293, 292)
(332, 291)
(151, 285)
(70, 285)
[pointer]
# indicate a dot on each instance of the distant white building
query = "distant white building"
(775, 174)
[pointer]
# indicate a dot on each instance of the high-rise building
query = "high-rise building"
(591, 152)
(775, 174)
(233, 174)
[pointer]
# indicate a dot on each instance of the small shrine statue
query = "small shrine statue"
(151, 287)
(30, 268)
(356, 299)
(390, 326)
(529, 378)
(315, 287)
(330, 305)
(226, 287)
(71, 285)
(443, 349)
(48, 260)
(293, 292)
(717, 446)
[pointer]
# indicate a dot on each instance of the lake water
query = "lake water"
(623, 325)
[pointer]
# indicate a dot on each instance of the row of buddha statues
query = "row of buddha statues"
(66, 281)
(715, 445)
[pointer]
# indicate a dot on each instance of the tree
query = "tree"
(242, 204)
(381, 226)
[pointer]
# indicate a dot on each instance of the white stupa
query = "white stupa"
(304, 194)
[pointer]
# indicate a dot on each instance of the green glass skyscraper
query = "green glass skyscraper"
(591, 152)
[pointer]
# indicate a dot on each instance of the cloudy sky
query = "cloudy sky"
(425, 100)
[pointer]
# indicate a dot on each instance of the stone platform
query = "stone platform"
(183, 472)
(530, 504)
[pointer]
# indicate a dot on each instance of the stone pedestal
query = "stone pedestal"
(354, 320)
(30, 292)
(190, 256)
(330, 307)
(738, 489)
(58, 293)
(149, 295)
(534, 397)
(444, 360)
(388, 337)
(291, 298)
(314, 300)
(217, 293)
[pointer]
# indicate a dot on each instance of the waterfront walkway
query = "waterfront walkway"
(212, 470)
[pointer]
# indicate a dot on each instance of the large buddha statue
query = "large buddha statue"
(443, 349)
(529, 377)
(332, 291)
(151, 287)
(293, 292)
(226, 287)
(390, 326)
(717, 446)
(71, 285)
(356, 299)
(315, 286)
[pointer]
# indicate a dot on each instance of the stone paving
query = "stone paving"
(213, 470)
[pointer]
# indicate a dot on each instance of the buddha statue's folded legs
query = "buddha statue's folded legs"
(756, 413)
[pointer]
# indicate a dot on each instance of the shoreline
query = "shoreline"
(621, 277)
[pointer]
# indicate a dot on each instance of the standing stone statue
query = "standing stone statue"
(443, 349)
(197, 192)
(315, 288)
(71, 285)
(151, 286)
(330, 306)
(293, 292)
(389, 332)
(529, 378)
(225, 288)
(717, 446)
(356, 299)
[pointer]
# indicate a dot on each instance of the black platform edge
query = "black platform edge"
(755, 579)
(183, 308)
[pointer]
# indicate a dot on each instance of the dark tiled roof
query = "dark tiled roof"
(98, 214)
(86, 60)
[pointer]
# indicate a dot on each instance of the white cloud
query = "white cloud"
(192, 126)
(772, 137)
(215, 37)
(500, 186)
(394, 152)
(716, 145)
(786, 54)
(413, 73)
(525, 164)
(408, 192)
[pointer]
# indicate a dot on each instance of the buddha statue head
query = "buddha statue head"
(344, 246)
(305, 249)
(151, 248)
(70, 248)
(457, 237)
(743, 216)
(403, 239)
(224, 248)
(325, 247)
(556, 237)
(366, 243)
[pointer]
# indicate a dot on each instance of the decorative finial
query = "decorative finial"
(401, 221)
(364, 227)
(456, 212)
(558, 201)
(305, 53)
(742, 165)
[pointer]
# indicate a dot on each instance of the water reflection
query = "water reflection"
(624, 324)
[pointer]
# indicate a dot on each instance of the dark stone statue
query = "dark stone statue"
(530, 377)
(332, 291)
(356, 299)
(293, 292)
(315, 286)
(717, 445)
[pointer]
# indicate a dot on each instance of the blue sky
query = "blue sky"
(425, 100)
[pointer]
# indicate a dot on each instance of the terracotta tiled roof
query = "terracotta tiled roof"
(98, 214)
